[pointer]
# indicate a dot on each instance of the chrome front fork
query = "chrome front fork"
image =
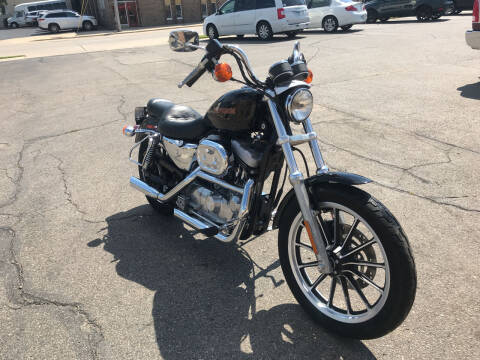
(298, 182)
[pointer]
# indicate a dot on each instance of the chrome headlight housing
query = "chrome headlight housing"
(299, 104)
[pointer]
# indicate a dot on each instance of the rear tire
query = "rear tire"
(161, 208)
(385, 262)
(330, 24)
(53, 28)
(424, 13)
(291, 34)
(264, 31)
(14, 25)
(212, 32)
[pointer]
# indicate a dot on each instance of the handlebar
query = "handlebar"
(214, 50)
(195, 74)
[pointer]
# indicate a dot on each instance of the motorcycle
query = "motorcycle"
(344, 256)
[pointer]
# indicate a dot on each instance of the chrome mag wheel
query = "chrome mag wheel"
(359, 286)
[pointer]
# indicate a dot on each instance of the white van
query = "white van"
(21, 10)
(261, 17)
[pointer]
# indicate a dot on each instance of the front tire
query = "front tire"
(87, 26)
(371, 16)
(14, 25)
(212, 32)
(374, 270)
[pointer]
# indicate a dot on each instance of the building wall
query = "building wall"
(153, 12)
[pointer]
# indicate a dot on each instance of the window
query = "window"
(178, 11)
(264, 4)
(71, 14)
(243, 5)
(19, 14)
(204, 8)
(293, 2)
(228, 7)
(168, 10)
(318, 3)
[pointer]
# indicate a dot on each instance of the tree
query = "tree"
(3, 4)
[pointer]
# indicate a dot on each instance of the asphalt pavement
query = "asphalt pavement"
(90, 271)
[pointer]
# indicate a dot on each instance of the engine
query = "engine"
(231, 162)
(219, 206)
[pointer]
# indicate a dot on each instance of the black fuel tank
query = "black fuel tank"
(236, 110)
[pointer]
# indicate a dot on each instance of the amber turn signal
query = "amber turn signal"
(309, 78)
(223, 72)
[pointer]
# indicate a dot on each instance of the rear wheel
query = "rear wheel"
(291, 34)
(373, 284)
(212, 32)
(264, 31)
(14, 25)
(424, 13)
(54, 28)
(330, 24)
(346, 27)
(146, 176)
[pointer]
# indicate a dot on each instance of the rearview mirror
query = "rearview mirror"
(180, 40)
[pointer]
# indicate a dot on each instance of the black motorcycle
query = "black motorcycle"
(344, 255)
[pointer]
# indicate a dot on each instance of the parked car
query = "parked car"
(19, 17)
(262, 17)
(460, 5)
(54, 21)
(473, 36)
(424, 10)
(32, 16)
(331, 14)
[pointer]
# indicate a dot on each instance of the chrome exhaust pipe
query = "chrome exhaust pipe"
(197, 223)
(144, 188)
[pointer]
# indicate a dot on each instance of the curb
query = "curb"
(113, 32)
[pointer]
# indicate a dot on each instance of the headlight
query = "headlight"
(299, 104)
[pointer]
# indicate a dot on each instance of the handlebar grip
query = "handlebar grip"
(195, 75)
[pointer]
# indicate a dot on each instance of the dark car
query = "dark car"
(424, 10)
(459, 5)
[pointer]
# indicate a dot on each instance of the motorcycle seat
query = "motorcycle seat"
(177, 121)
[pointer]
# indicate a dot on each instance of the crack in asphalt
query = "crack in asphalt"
(393, 166)
(23, 298)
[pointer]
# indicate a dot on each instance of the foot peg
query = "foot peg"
(210, 231)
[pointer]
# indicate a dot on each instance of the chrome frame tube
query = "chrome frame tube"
(297, 180)
(317, 155)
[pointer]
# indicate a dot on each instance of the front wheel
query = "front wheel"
(373, 284)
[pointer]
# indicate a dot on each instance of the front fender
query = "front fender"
(325, 178)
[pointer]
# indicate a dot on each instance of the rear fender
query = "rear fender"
(318, 180)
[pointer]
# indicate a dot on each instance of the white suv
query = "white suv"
(261, 17)
(54, 21)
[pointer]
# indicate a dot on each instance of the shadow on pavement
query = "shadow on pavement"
(205, 299)
(471, 91)
(252, 39)
(395, 21)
